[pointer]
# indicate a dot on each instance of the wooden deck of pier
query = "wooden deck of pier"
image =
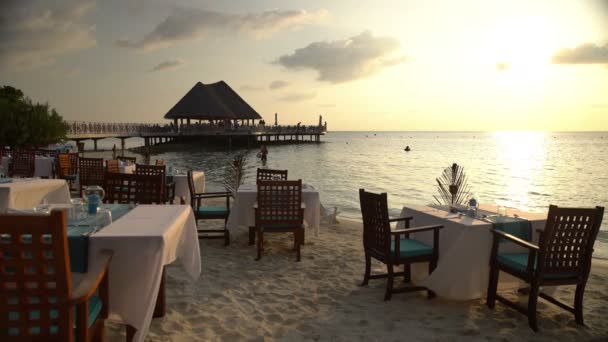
(213, 135)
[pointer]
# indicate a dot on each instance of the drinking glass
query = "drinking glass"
(103, 218)
(502, 210)
(77, 209)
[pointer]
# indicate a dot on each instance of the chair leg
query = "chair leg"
(389, 282)
(407, 273)
(532, 301)
(251, 235)
(260, 244)
(368, 265)
(298, 238)
(578, 303)
(429, 293)
(226, 237)
(492, 287)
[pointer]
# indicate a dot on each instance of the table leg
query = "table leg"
(160, 307)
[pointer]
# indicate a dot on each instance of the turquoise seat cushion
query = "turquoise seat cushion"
(519, 262)
(279, 227)
(211, 211)
(95, 306)
(70, 177)
(409, 248)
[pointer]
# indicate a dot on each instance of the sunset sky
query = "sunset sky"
(363, 65)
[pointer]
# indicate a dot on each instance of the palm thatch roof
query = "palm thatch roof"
(215, 101)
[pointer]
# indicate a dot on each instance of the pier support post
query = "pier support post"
(95, 145)
(122, 147)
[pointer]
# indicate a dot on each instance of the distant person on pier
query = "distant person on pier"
(263, 154)
(114, 151)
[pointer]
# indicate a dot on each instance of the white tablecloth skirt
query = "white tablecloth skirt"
(464, 253)
(43, 166)
(181, 185)
(243, 214)
(26, 193)
(127, 168)
(144, 241)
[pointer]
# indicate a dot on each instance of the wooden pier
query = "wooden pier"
(208, 134)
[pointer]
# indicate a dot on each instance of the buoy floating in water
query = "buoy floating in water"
(407, 149)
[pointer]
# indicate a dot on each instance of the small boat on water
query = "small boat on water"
(407, 149)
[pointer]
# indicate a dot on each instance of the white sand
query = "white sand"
(238, 298)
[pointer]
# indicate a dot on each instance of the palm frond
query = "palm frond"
(452, 186)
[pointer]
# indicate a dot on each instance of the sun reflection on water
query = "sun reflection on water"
(522, 155)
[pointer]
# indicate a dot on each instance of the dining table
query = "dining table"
(26, 193)
(465, 245)
(181, 184)
(144, 239)
(242, 213)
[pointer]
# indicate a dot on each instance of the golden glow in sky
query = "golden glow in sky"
(382, 65)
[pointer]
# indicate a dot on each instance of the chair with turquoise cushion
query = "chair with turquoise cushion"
(202, 212)
(562, 257)
(67, 168)
(38, 300)
(393, 247)
(279, 210)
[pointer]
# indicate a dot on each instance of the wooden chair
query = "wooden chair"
(562, 257)
(112, 166)
(131, 160)
(269, 174)
(393, 247)
(38, 301)
(90, 172)
(67, 167)
(128, 188)
(23, 164)
(279, 210)
(168, 186)
(159, 162)
(119, 188)
(209, 212)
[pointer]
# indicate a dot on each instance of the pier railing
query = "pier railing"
(84, 129)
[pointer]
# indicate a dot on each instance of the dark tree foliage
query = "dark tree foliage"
(27, 124)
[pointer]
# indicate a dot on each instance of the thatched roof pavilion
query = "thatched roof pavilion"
(215, 101)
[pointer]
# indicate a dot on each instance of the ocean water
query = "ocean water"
(524, 170)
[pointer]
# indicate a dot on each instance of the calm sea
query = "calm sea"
(524, 170)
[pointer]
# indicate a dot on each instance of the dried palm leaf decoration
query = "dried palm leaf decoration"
(452, 186)
(235, 173)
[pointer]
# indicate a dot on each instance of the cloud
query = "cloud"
(298, 97)
(502, 66)
(278, 84)
(344, 60)
(190, 24)
(588, 53)
(248, 87)
(170, 64)
(327, 105)
(36, 32)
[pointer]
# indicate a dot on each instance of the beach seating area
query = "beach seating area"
(119, 249)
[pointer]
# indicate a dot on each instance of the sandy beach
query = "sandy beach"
(240, 299)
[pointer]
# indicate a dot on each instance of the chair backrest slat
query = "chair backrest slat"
(279, 202)
(35, 278)
(567, 241)
(269, 174)
(376, 226)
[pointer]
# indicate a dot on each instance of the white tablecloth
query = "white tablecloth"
(181, 185)
(144, 241)
(26, 193)
(464, 252)
(243, 214)
(43, 166)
